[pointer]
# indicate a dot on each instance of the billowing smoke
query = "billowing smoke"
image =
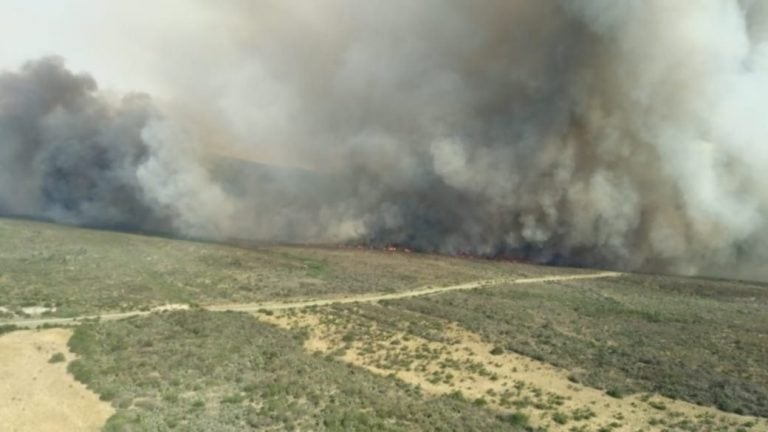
(615, 133)
(71, 154)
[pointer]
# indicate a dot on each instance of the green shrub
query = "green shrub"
(584, 413)
(247, 365)
(7, 328)
(57, 358)
(80, 371)
(107, 393)
(615, 392)
(516, 419)
(560, 418)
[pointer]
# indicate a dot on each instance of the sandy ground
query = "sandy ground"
(478, 374)
(39, 396)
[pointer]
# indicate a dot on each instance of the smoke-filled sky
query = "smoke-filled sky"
(616, 133)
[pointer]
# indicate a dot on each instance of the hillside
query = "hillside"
(198, 336)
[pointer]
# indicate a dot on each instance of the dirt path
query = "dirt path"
(298, 304)
(36, 395)
(422, 291)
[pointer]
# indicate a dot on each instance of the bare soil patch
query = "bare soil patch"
(37, 395)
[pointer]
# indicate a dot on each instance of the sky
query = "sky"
(125, 45)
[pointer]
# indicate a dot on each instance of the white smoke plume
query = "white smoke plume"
(618, 133)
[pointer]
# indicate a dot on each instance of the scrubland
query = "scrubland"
(626, 353)
(204, 371)
(66, 271)
(703, 341)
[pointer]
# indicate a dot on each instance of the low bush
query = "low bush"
(57, 358)
(698, 340)
(227, 371)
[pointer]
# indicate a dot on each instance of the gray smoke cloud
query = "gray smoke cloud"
(72, 154)
(614, 133)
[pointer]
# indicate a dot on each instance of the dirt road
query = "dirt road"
(422, 291)
(294, 304)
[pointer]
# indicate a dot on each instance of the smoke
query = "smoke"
(72, 154)
(615, 133)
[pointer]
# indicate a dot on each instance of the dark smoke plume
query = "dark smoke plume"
(615, 133)
(71, 154)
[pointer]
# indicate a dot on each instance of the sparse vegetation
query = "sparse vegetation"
(392, 340)
(583, 413)
(698, 340)
(560, 417)
(196, 370)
